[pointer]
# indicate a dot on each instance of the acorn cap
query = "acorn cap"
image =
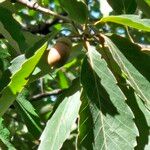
(65, 40)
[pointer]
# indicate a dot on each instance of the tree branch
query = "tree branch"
(44, 95)
(35, 6)
(42, 28)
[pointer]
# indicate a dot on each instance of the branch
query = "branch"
(42, 28)
(144, 46)
(43, 95)
(35, 6)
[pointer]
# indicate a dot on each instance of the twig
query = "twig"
(42, 28)
(35, 6)
(73, 24)
(144, 46)
(128, 34)
(41, 85)
(43, 95)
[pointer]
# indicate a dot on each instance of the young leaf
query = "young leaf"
(134, 63)
(59, 126)
(76, 9)
(20, 78)
(128, 20)
(113, 124)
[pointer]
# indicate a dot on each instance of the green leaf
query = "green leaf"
(17, 62)
(144, 137)
(85, 137)
(15, 65)
(29, 115)
(128, 20)
(20, 78)
(75, 86)
(42, 66)
(21, 99)
(76, 9)
(134, 63)
(59, 126)
(11, 30)
(63, 81)
(5, 136)
(123, 6)
(140, 111)
(141, 115)
(112, 125)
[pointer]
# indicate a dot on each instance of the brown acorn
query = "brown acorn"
(60, 52)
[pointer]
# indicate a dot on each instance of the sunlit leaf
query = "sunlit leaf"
(141, 115)
(128, 20)
(59, 126)
(20, 79)
(112, 120)
(134, 63)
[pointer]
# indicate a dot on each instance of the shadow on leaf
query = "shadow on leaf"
(140, 120)
(95, 91)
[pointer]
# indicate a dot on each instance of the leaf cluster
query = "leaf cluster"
(99, 99)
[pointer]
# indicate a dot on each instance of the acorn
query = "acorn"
(60, 52)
